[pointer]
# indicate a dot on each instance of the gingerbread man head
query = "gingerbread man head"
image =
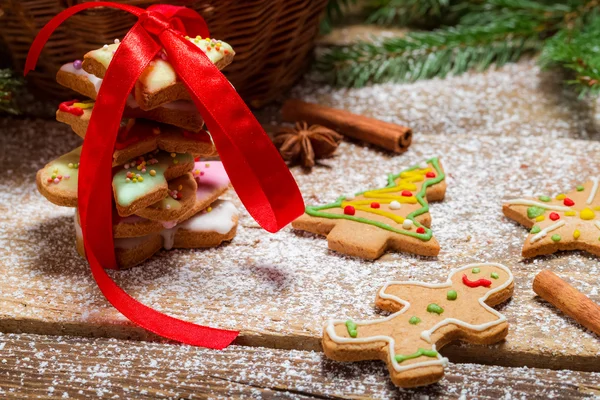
(426, 317)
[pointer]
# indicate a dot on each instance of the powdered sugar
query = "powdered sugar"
(289, 283)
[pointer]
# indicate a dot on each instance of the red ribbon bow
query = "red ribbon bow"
(257, 172)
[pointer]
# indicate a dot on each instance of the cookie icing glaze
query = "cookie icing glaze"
(160, 74)
(94, 80)
(210, 176)
(400, 190)
(127, 185)
(220, 219)
(64, 171)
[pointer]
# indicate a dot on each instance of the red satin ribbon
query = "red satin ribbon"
(257, 172)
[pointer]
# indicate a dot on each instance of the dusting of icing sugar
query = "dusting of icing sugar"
(263, 274)
(131, 369)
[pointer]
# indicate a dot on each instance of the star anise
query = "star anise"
(304, 144)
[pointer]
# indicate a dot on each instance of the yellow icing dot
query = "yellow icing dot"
(140, 179)
(561, 196)
(152, 172)
(540, 218)
(173, 155)
(180, 187)
(134, 180)
(570, 213)
(209, 209)
(576, 234)
(175, 161)
(597, 208)
(139, 167)
(586, 214)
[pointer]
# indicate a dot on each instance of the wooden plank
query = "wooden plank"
(57, 367)
(279, 289)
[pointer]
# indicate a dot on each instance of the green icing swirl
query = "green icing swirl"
(352, 328)
(316, 211)
(434, 308)
(421, 352)
(414, 320)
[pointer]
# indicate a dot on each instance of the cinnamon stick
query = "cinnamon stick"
(390, 136)
(568, 299)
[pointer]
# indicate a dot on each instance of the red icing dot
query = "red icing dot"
(406, 193)
(374, 204)
(430, 174)
(179, 196)
(349, 210)
(568, 202)
(554, 216)
(49, 180)
(420, 230)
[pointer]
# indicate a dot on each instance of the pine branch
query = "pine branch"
(405, 12)
(424, 55)
(8, 86)
(577, 51)
(334, 12)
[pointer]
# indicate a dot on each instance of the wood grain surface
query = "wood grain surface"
(34, 366)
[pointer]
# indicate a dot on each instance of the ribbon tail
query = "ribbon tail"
(257, 172)
(95, 195)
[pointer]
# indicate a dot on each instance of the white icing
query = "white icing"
(220, 219)
(597, 224)
(169, 224)
(407, 224)
(542, 234)
(425, 335)
(168, 236)
(94, 80)
(526, 202)
(593, 191)
(395, 205)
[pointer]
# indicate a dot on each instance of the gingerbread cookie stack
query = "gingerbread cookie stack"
(165, 197)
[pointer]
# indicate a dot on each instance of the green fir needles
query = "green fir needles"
(467, 35)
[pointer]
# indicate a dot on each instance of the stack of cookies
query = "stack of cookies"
(165, 197)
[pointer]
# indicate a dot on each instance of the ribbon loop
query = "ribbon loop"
(154, 22)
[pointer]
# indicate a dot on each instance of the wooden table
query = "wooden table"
(501, 134)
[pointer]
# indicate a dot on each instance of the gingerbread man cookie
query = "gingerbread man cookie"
(567, 221)
(158, 84)
(426, 317)
(395, 217)
(181, 113)
(209, 228)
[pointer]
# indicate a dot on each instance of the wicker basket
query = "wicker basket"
(273, 39)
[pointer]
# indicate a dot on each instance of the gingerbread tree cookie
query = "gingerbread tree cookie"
(426, 317)
(395, 217)
(568, 221)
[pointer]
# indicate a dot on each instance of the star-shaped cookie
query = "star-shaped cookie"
(567, 221)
